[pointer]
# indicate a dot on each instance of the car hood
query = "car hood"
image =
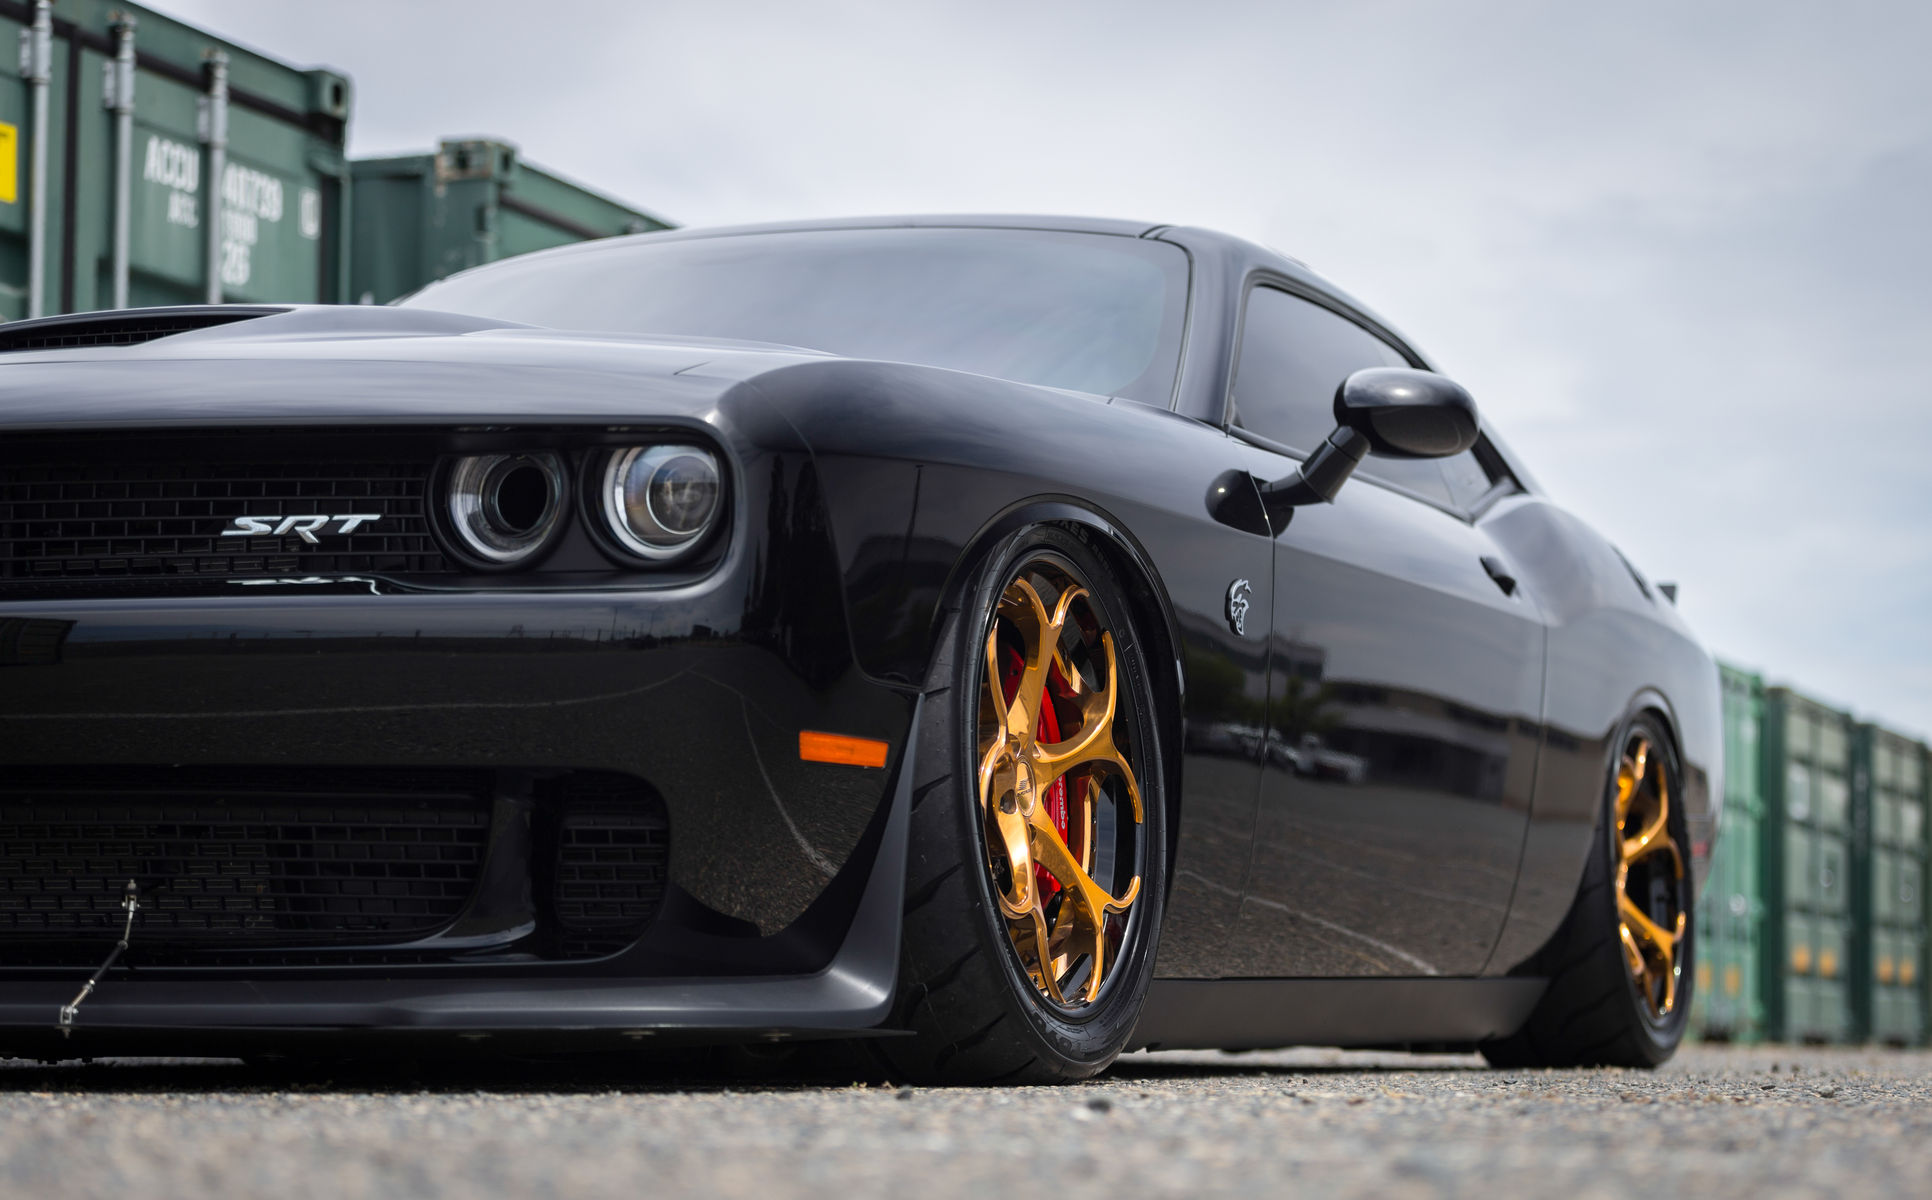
(330, 365)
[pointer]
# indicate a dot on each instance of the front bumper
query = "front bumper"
(777, 916)
(848, 997)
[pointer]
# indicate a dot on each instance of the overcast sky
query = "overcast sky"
(1681, 253)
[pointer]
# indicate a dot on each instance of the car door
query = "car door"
(1405, 687)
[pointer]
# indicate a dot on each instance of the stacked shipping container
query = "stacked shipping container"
(143, 161)
(1818, 878)
(1807, 856)
(170, 167)
(1729, 996)
(424, 216)
(1888, 784)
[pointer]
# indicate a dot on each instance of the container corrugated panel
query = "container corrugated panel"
(280, 204)
(1806, 845)
(1889, 801)
(1729, 1003)
(422, 217)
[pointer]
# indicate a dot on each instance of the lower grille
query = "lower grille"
(241, 857)
(613, 850)
(131, 519)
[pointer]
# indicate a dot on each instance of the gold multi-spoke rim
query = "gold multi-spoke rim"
(1053, 728)
(1652, 934)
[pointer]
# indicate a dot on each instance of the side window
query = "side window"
(1469, 481)
(1294, 354)
(1475, 473)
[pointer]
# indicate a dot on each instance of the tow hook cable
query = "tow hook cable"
(132, 902)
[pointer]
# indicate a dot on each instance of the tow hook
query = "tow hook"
(132, 903)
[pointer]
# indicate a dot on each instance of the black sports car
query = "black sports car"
(1005, 641)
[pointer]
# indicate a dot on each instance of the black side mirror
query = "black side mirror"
(1394, 412)
(1407, 414)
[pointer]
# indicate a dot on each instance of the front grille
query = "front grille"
(118, 521)
(613, 850)
(241, 856)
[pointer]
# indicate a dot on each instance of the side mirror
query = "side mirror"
(1393, 412)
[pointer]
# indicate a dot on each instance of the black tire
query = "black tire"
(976, 1015)
(1595, 1012)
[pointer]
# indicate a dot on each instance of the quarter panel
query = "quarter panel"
(1612, 649)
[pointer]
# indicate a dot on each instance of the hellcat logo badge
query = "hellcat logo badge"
(1238, 593)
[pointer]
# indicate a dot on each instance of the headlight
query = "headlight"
(660, 501)
(504, 507)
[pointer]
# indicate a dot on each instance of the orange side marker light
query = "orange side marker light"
(837, 748)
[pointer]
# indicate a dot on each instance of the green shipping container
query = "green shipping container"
(143, 161)
(1889, 806)
(1806, 843)
(425, 216)
(1729, 997)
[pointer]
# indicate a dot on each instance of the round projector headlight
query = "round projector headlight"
(504, 507)
(660, 501)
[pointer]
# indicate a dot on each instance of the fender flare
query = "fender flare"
(1147, 600)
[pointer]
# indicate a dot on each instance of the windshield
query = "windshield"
(1092, 312)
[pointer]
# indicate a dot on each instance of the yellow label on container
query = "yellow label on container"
(9, 163)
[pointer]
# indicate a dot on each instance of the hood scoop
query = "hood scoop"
(126, 327)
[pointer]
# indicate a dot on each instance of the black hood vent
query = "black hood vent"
(126, 327)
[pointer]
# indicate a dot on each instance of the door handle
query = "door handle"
(1500, 574)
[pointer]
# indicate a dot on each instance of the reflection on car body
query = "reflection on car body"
(620, 563)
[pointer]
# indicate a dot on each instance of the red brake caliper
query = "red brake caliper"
(1048, 732)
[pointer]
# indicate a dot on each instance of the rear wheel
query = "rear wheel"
(1620, 965)
(1038, 843)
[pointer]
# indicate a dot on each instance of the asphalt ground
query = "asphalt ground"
(1717, 1121)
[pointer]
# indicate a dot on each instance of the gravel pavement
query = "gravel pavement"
(1765, 1121)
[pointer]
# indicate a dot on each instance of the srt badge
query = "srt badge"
(305, 526)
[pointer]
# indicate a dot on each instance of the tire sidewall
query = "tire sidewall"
(1096, 1036)
(1659, 1037)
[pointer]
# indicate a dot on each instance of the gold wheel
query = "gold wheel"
(1651, 885)
(1058, 797)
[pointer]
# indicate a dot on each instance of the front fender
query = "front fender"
(919, 465)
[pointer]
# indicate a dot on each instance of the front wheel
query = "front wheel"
(1620, 965)
(1036, 868)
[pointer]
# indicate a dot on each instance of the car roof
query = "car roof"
(1113, 225)
(1103, 225)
